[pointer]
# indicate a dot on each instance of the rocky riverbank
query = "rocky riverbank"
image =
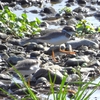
(16, 50)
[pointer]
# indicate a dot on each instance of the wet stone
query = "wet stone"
(98, 55)
(14, 41)
(71, 0)
(14, 59)
(72, 78)
(25, 3)
(87, 69)
(42, 80)
(70, 70)
(3, 36)
(93, 8)
(4, 86)
(49, 10)
(43, 24)
(62, 22)
(84, 42)
(16, 51)
(81, 1)
(45, 73)
(3, 47)
(94, 63)
(9, 1)
(34, 11)
(98, 2)
(34, 54)
(93, 1)
(14, 86)
(92, 74)
(56, 1)
(71, 22)
(79, 17)
(6, 79)
(31, 46)
(76, 61)
(90, 52)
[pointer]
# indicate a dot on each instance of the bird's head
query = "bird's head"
(69, 30)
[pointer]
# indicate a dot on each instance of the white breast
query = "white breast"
(57, 41)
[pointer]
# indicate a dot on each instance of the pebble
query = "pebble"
(77, 61)
(83, 42)
(14, 59)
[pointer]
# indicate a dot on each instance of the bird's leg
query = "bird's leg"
(28, 83)
(53, 56)
(67, 52)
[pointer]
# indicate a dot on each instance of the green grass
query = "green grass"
(67, 10)
(84, 28)
(29, 95)
(17, 26)
(81, 93)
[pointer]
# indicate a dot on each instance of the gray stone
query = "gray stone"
(84, 42)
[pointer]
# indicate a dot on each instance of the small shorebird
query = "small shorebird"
(57, 38)
(26, 66)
